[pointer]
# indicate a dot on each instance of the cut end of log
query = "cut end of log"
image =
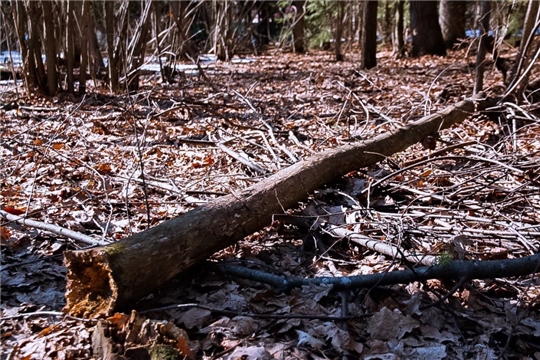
(91, 289)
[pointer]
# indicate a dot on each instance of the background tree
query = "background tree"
(387, 21)
(266, 25)
(71, 35)
(136, 48)
(230, 21)
(338, 30)
(480, 56)
(185, 14)
(55, 37)
(96, 64)
(84, 46)
(426, 32)
(113, 51)
(319, 23)
(369, 35)
(398, 42)
(298, 26)
(530, 26)
(452, 21)
(50, 47)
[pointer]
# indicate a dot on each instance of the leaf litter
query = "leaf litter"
(110, 166)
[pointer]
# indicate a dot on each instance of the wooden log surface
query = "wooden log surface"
(104, 279)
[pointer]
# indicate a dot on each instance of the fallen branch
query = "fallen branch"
(382, 247)
(244, 159)
(103, 279)
(453, 270)
(52, 228)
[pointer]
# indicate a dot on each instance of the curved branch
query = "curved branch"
(460, 270)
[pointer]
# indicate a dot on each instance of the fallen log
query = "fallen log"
(103, 279)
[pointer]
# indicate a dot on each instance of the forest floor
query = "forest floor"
(109, 166)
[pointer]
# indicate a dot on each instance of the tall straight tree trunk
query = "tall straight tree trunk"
(20, 12)
(263, 27)
(387, 26)
(369, 35)
(50, 47)
(452, 21)
(70, 39)
(111, 54)
(399, 43)
(339, 31)
(426, 32)
(35, 49)
(96, 65)
(299, 25)
(360, 19)
(84, 46)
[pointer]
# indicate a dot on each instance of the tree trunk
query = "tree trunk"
(369, 35)
(299, 24)
(50, 48)
(387, 24)
(266, 28)
(111, 53)
(426, 32)
(481, 55)
(103, 279)
(19, 12)
(35, 49)
(399, 43)
(96, 65)
(69, 52)
(339, 31)
(360, 20)
(84, 46)
(452, 21)
(222, 32)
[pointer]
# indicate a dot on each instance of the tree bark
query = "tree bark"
(103, 279)
(112, 67)
(35, 59)
(298, 27)
(50, 47)
(426, 32)
(222, 31)
(452, 21)
(369, 35)
(70, 44)
(339, 31)
(95, 63)
(399, 43)
(481, 55)
(84, 46)
(20, 18)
